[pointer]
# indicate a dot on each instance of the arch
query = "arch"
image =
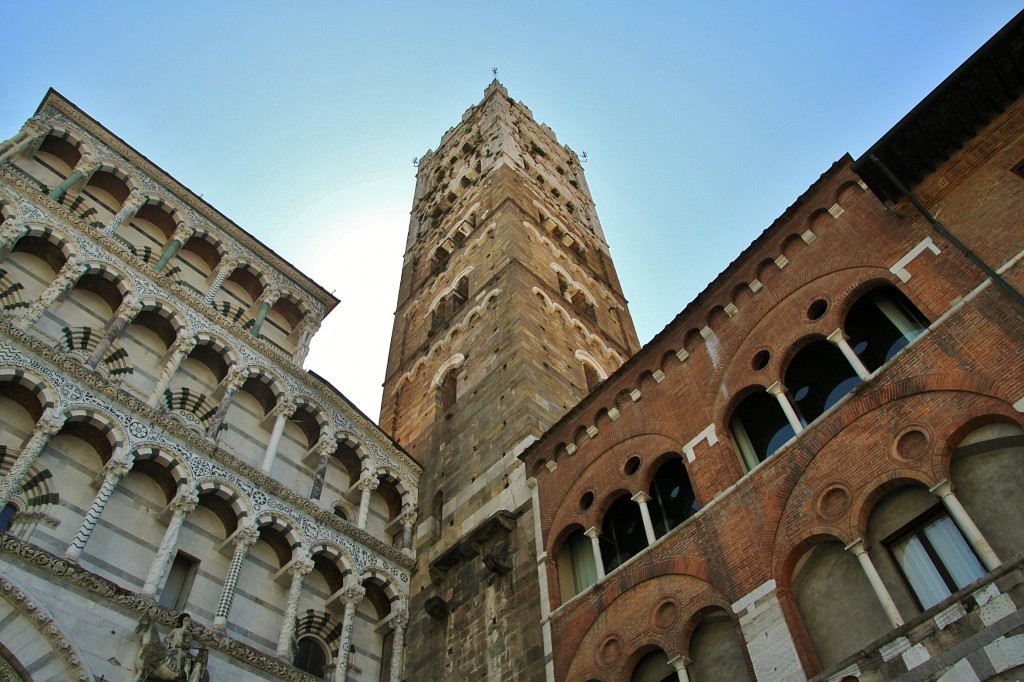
(673, 500)
(574, 561)
(44, 647)
(233, 500)
(287, 528)
(880, 322)
(622, 531)
(818, 376)
(173, 464)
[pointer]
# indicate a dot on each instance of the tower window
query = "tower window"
(449, 388)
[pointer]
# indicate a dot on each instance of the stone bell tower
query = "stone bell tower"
(509, 312)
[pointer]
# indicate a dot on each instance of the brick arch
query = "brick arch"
(967, 422)
(787, 555)
(642, 647)
(878, 488)
(698, 610)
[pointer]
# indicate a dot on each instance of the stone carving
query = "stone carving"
(44, 623)
(172, 659)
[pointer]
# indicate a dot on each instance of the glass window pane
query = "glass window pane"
(953, 551)
(922, 575)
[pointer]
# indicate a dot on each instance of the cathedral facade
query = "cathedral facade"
(810, 473)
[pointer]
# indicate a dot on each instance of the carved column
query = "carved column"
(281, 412)
(680, 663)
(267, 300)
(85, 167)
(224, 269)
(944, 490)
(245, 538)
(888, 605)
(325, 447)
(299, 569)
(351, 595)
(593, 534)
(33, 132)
(125, 313)
(47, 427)
(779, 391)
(180, 236)
(179, 351)
(113, 472)
(232, 383)
(181, 506)
(10, 233)
(839, 339)
(642, 498)
(135, 201)
(366, 487)
(307, 328)
(408, 526)
(400, 621)
(64, 281)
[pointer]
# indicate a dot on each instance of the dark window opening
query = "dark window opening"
(880, 324)
(622, 533)
(179, 581)
(449, 391)
(672, 497)
(759, 427)
(7, 516)
(817, 378)
(310, 657)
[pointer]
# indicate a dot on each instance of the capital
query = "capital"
(183, 346)
(400, 619)
(641, 497)
(130, 307)
(776, 388)
(49, 424)
(183, 232)
(325, 446)
(136, 200)
(368, 484)
(117, 468)
(246, 537)
(283, 409)
(352, 594)
(184, 503)
(409, 518)
(237, 374)
(37, 127)
(301, 567)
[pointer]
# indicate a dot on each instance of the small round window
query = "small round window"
(761, 359)
(632, 464)
(586, 500)
(817, 309)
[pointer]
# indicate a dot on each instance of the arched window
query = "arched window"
(310, 656)
(818, 377)
(449, 390)
(672, 498)
(881, 323)
(654, 667)
(759, 427)
(6, 516)
(576, 569)
(592, 376)
(622, 533)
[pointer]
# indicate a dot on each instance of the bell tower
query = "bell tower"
(509, 312)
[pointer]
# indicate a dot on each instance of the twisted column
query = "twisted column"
(179, 351)
(232, 383)
(64, 281)
(181, 506)
(47, 427)
(125, 313)
(113, 472)
(281, 412)
(366, 486)
(299, 569)
(224, 269)
(351, 595)
(245, 538)
(135, 201)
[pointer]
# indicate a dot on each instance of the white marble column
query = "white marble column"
(307, 328)
(680, 663)
(125, 313)
(884, 598)
(299, 569)
(221, 273)
(839, 339)
(351, 595)
(245, 537)
(113, 472)
(595, 544)
(65, 280)
(367, 485)
(47, 427)
(400, 621)
(779, 391)
(181, 506)
(281, 412)
(642, 498)
(135, 201)
(232, 383)
(944, 490)
(179, 351)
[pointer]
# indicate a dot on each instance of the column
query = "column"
(181, 506)
(47, 427)
(307, 328)
(408, 526)
(10, 233)
(593, 534)
(299, 569)
(232, 383)
(30, 134)
(245, 537)
(281, 412)
(351, 595)
(839, 339)
(180, 236)
(400, 621)
(366, 487)
(325, 447)
(64, 281)
(113, 472)
(888, 605)
(224, 268)
(125, 313)
(944, 490)
(779, 391)
(85, 167)
(680, 663)
(129, 208)
(179, 351)
(268, 299)
(642, 498)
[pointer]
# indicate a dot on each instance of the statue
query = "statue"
(172, 659)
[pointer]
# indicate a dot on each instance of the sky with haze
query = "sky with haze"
(701, 122)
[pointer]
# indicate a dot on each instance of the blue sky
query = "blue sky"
(702, 122)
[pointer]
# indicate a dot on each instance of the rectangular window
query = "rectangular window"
(179, 581)
(935, 558)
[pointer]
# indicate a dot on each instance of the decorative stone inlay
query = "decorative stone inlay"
(43, 622)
